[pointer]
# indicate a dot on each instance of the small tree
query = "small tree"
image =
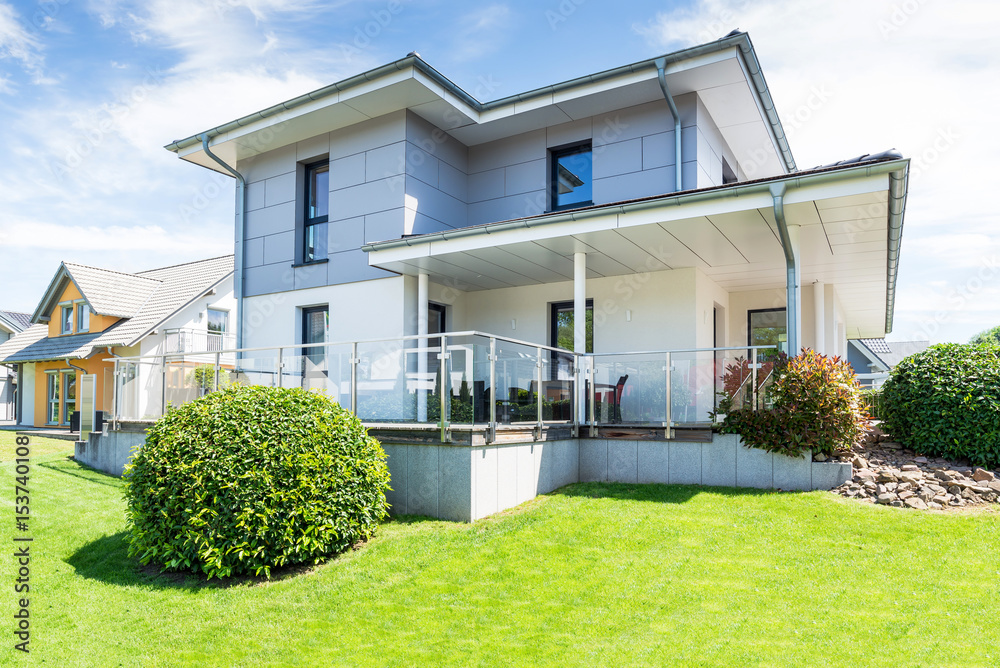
(203, 378)
(815, 404)
(988, 336)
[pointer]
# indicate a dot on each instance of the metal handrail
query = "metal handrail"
(579, 398)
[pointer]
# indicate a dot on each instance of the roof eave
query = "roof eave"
(738, 40)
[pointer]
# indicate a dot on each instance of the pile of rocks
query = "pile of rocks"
(887, 473)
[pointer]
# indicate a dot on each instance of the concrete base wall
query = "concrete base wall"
(725, 462)
(109, 452)
(465, 483)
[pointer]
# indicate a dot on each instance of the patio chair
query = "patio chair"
(616, 400)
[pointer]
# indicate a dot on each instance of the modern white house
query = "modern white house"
(567, 272)
(90, 315)
(376, 196)
(11, 323)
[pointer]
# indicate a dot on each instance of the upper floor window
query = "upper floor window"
(82, 317)
(218, 321)
(66, 319)
(571, 177)
(317, 202)
(218, 325)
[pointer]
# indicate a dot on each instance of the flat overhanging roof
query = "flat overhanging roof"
(725, 73)
(850, 219)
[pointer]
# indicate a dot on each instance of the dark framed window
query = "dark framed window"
(561, 326)
(315, 325)
(317, 211)
(570, 179)
(768, 327)
(315, 329)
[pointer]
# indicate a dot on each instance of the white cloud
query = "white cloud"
(481, 31)
(17, 43)
(912, 76)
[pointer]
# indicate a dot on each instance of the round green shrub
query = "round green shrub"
(251, 478)
(945, 401)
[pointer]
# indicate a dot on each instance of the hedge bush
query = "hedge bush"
(945, 401)
(251, 478)
(815, 403)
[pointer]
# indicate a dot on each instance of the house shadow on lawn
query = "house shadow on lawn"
(106, 560)
(69, 466)
(654, 492)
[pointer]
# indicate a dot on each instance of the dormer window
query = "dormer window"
(66, 319)
(570, 180)
(82, 317)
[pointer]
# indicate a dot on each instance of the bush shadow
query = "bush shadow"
(106, 560)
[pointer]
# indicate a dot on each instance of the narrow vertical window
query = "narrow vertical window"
(315, 329)
(317, 213)
(571, 177)
(66, 319)
(82, 317)
(218, 326)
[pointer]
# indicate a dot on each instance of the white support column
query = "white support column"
(796, 323)
(580, 302)
(819, 313)
(423, 290)
(580, 322)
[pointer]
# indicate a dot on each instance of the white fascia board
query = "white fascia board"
(702, 60)
(626, 79)
(854, 185)
(447, 96)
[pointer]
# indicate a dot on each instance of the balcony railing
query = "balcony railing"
(193, 340)
(461, 379)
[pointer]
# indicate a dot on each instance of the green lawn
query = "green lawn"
(592, 575)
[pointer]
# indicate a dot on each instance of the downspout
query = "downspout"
(661, 75)
(240, 218)
(792, 307)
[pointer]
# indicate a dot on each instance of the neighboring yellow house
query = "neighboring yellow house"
(89, 315)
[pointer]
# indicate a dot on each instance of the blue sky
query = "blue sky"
(90, 91)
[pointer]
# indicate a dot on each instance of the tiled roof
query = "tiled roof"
(178, 285)
(892, 353)
(173, 288)
(21, 319)
(33, 345)
(111, 292)
(877, 346)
